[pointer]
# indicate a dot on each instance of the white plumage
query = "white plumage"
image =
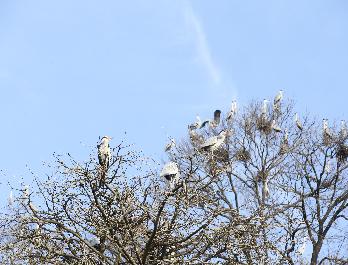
(214, 142)
(326, 130)
(264, 107)
(276, 127)
(302, 248)
(104, 153)
(170, 172)
(170, 145)
(265, 189)
(278, 98)
(10, 199)
(233, 111)
(343, 131)
(298, 122)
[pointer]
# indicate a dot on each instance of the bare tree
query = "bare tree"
(254, 188)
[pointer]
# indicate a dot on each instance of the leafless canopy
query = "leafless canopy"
(262, 196)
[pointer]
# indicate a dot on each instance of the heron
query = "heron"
(265, 107)
(26, 192)
(326, 131)
(214, 142)
(284, 147)
(278, 98)
(170, 172)
(276, 127)
(265, 190)
(10, 199)
(343, 131)
(298, 122)
(170, 145)
(233, 111)
(277, 102)
(104, 153)
(302, 248)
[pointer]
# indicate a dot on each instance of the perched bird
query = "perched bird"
(298, 122)
(327, 168)
(233, 111)
(26, 192)
(278, 98)
(214, 142)
(10, 199)
(264, 107)
(170, 172)
(284, 147)
(327, 134)
(343, 131)
(104, 153)
(276, 127)
(265, 190)
(302, 248)
(277, 103)
(170, 145)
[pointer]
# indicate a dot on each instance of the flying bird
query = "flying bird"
(170, 172)
(276, 127)
(104, 153)
(298, 122)
(214, 142)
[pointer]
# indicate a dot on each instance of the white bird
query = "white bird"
(104, 153)
(327, 168)
(170, 145)
(326, 131)
(170, 172)
(298, 122)
(284, 147)
(26, 192)
(264, 107)
(302, 248)
(214, 142)
(278, 98)
(10, 199)
(276, 127)
(233, 111)
(343, 131)
(265, 190)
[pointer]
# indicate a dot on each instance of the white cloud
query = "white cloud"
(202, 47)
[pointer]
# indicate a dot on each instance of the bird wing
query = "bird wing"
(217, 114)
(204, 123)
(210, 141)
(170, 168)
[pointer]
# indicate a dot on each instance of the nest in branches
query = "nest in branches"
(342, 153)
(221, 155)
(264, 125)
(243, 155)
(261, 175)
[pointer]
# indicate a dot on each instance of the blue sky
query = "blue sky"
(71, 71)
